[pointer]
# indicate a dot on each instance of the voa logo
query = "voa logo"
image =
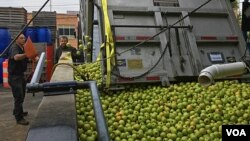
(236, 132)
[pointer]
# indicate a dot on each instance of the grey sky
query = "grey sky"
(60, 6)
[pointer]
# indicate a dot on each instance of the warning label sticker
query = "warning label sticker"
(135, 64)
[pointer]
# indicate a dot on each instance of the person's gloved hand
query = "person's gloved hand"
(36, 58)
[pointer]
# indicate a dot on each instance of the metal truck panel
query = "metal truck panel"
(199, 40)
(130, 3)
(213, 5)
(214, 25)
(218, 53)
(138, 60)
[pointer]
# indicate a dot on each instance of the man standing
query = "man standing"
(63, 47)
(16, 68)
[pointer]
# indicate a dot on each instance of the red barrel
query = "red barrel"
(50, 60)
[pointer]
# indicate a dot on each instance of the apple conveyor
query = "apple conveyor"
(56, 117)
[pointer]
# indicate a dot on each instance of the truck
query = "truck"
(160, 40)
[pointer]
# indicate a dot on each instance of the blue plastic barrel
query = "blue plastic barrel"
(1, 70)
(32, 33)
(44, 34)
(5, 38)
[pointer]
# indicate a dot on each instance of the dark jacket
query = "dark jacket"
(16, 67)
(60, 49)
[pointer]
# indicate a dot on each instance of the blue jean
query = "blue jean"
(18, 86)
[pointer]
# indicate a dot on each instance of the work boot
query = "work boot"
(22, 122)
(25, 113)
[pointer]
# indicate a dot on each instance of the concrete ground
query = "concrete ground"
(9, 130)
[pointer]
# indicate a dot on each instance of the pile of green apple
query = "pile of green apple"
(90, 71)
(80, 48)
(179, 112)
(87, 48)
(85, 116)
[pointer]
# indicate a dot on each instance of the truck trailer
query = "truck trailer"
(160, 40)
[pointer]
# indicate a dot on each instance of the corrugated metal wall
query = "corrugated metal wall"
(13, 18)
